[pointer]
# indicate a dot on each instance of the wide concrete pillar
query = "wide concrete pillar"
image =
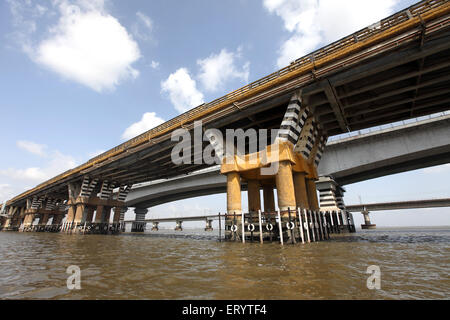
(285, 187)
(312, 194)
(254, 196)
(234, 205)
(71, 213)
(79, 214)
(138, 224)
(301, 193)
(28, 221)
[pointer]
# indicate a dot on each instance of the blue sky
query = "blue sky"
(79, 77)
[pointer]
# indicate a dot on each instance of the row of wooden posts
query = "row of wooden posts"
(299, 225)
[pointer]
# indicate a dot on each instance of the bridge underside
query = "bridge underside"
(392, 81)
(408, 147)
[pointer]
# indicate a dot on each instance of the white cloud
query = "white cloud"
(154, 64)
(143, 27)
(34, 148)
(6, 192)
(149, 120)
(86, 45)
(182, 90)
(313, 23)
(217, 69)
(438, 169)
(55, 164)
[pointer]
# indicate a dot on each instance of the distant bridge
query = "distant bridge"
(397, 205)
(363, 208)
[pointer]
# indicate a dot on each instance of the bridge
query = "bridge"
(419, 144)
(363, 208)
(396, 205)
(393, 70)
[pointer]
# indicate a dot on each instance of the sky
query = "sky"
(80, 77)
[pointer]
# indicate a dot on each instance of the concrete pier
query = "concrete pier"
(178, 226)
(155, 226)
(208, 225)
(139, 224)
(367, 224)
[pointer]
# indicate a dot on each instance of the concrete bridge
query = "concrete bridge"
(405, 147)
(396, 205)
(363, 208)
(393, 70)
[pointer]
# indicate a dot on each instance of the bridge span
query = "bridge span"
(363, 208)
(393, 70)
(396, 205)
(410, 146)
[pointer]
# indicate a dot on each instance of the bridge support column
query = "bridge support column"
(269, 198)
(155, 226)
(57, 219)
(234, 205)
(122, 218)
(286, 195)
(97, 226)
(179, 226)
(116, 228)
(79, 215)
(208, 225)
(367, 224)
(16, 220)
(43, 219)
(301, 194)
(331, 199)
(90, 214)
(312, 194)
(28, 222)
(139, 224)
(285, 187)
(7, 221)
(69, 219)
(254, 196)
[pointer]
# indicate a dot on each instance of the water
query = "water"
(414, 264)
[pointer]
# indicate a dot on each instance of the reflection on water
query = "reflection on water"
(414, 264)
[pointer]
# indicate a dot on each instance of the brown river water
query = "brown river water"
(193, 264)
